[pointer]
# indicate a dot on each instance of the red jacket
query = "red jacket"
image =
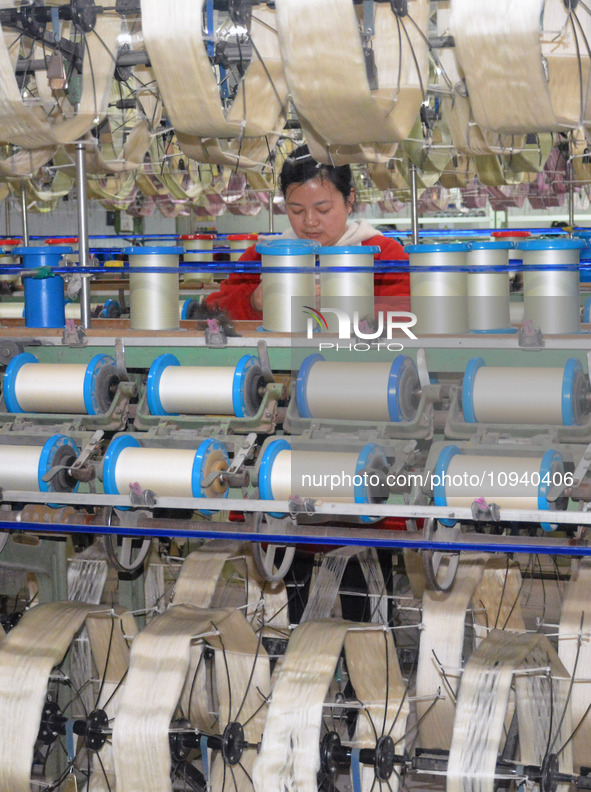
(234, 294)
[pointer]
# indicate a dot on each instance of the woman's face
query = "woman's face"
(318, 211)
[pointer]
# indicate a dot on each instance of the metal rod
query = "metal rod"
(414, 205)
(25, 214)
(7, 215)
(571, 196)
(83, 232)
(271, 218)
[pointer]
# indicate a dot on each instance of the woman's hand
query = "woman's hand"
(256, 298)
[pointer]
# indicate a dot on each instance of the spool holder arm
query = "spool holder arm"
(236, 475)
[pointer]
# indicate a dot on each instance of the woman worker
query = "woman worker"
(319, 199)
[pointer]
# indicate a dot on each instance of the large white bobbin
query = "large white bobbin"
(172, 472)
(173, 389)
(336, 476)
(30, 386)
(509, 395)
(345, 290)
(197, 250)
(22, 467)
(358, 391)
(438, 298)
(154, 296)
(513, 236)
(488, 292)
(551, 294)
(287, 294)
(511, 482)
(239, 243)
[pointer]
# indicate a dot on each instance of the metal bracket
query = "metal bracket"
(8, 350)
(88, 449)
(530, 337)
(368, 17)
(214, 335)
(141, 497)
(243, 452)
(263, 354)
(73, 336)
(299, 505)
(74, 286)
(120, 359)
(582, 467)
(399, 7)
(483, 511)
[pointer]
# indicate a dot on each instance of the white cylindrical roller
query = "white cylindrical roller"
(30, 386)
(204, 390)
(358, 391)
(287, 294)
(22, 467)
(238, 243)
(495, 394)
(510, 482)
(347, 291)
(488, 292)
(197, 249)
(344, 477)
(154, 297)
(173, 472)
(12, 310)
(438, 299)
(551, 296)
(516, 311)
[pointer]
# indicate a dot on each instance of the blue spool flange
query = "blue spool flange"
(440, 496)
(50, 453)
(468, 389)
(97, 397)
(9, 383)
(157, 368)
(371, 457)
(265, 468)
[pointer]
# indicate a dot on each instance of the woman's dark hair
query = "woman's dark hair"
(300, 167)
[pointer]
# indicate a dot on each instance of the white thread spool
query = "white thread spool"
(358, 391)
(286, 294)
(7, 259)
(438, 299)
(12, 310)
(347, 291)
(172, 472)
(510, 482)
(197, 247)
(73, 388)
(511, 236)
(495, 394)
(22, 467)
(238, 243)
(16, 310)
(488, 292)
(334, 476)
(173, 389)
(154, 297)
(551, 297)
